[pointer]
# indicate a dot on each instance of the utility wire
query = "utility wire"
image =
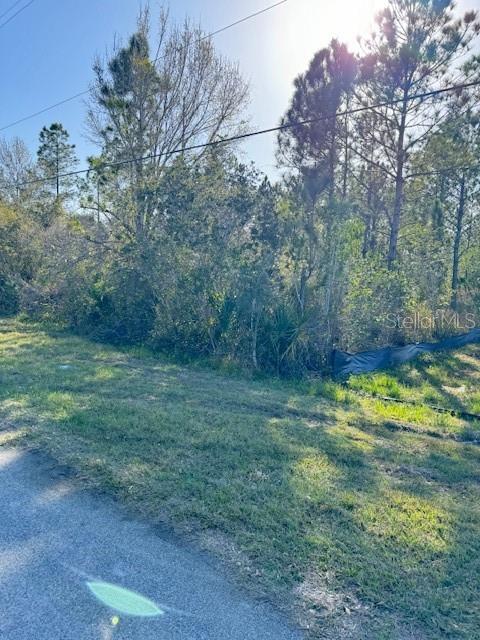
(252, 15)
(37, 113)
(3, 24)
(12, 6)
(282, 127)
(436, 172)
(83, 93)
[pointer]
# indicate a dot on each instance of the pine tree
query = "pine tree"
(55, 157)
(414, 51)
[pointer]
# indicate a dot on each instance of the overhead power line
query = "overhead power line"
(10, 8)
(86, 91)
(439, 172)
(38, 113)
(282, 127)
(3, 24)
(252, 15)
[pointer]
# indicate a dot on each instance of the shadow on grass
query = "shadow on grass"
(443, 372)
(372, 525)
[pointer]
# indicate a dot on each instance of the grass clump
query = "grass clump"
(378, 384)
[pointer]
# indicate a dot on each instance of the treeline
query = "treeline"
(189, 250)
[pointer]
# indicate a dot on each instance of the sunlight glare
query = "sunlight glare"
(123, 600)
(318, 23)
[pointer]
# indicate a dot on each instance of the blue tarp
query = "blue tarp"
(345, 364)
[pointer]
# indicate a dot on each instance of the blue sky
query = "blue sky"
(46, 54)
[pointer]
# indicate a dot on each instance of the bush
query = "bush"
(9, 300)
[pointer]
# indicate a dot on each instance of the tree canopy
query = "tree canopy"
(374, 221)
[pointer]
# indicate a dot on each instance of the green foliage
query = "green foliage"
(9, 301)
(16, 258)
(375, 299)
(313, 148)
(55, 156)
(374, 222)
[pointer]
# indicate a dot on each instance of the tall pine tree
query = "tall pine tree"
(56, 157)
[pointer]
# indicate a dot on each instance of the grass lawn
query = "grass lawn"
(345, 510)
(450, 380)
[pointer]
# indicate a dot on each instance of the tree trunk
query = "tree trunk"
(456, 244)
(140, 204)
(346, 156)
(57, 164)
(332, 163)
(367, 235)
(254, 329)
(399, 186)
(328, 298)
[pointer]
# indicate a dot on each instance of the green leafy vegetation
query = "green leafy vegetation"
(169, 241)
(360, 530)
